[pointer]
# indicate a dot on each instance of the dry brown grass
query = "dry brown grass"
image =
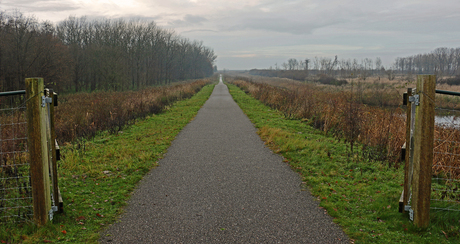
(12, 130)
(84, 114)
(341, 112)
(337, 113)
(447, 152)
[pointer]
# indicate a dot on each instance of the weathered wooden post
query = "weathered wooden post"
(407, 165)
(52, 144)
(38, 150)
(423, 149)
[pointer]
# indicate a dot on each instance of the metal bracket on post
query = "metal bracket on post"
(407, 208)
(415, 99)
(46, 100)
(51, 212)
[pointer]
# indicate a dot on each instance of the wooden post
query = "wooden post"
(406, 191)
(52, 144)
(423, 149)
(38, 152)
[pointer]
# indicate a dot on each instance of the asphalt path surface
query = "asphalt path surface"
(218, 183)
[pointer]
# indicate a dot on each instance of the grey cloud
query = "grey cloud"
(40, 6)
(171, 4)
(188, 20)
(194, 19)
(281, 25)
(200, 30)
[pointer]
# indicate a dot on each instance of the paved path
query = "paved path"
(219, 184)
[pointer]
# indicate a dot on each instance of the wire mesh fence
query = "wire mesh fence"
(15, 186)
(445, 194)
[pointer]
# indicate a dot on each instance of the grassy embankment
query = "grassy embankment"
(97, 178)
(361, 195)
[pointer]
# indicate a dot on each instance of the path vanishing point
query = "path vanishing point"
(218, 183)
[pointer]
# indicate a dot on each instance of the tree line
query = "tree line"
(325, 67)
(82, 55)
(443, 62)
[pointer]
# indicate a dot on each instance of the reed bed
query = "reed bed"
(379, 131)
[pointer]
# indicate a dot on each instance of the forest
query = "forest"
(79, 54)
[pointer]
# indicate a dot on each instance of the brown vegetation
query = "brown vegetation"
(337, 113)
(380, 131)
(84, 114)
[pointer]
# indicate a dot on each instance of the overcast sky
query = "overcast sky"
(249, 34)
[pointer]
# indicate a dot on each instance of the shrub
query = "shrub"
(84, 114)
(329, 80)
(380, 131)
(454, 81)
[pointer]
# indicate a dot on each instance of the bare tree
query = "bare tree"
(293, 64)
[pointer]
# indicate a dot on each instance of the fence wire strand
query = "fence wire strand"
(15, 188)
(446, 165)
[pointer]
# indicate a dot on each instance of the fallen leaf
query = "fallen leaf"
(100, 215)
(80, 218)
(445, 235)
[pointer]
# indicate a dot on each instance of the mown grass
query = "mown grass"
(361, 195)
(97, 176)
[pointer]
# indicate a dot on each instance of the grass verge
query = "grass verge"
(97, 176)
(361, 195)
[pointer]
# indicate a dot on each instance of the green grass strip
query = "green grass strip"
(97, 177)
(361, 196)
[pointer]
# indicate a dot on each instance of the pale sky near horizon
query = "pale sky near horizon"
(248, 34)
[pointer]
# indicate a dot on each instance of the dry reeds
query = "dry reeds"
(381, 131)
(447, 152)
(84, 114)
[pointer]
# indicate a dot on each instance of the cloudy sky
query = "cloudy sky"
(249, 34)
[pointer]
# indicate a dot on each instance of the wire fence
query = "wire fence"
(15, 185)
(445, 188)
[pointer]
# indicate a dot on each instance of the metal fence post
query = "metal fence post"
(38, 152)
(423, 149)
